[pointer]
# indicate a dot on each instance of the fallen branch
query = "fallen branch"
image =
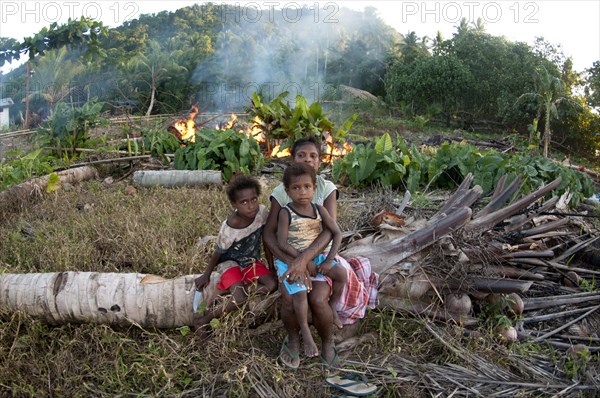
(554, 301)
(566, 325)
(547, 317)
(383, 255)
(36, 186)
(489, 220)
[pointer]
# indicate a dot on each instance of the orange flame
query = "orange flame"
(333, 150)
(277, 153)
(186, 129)
(229, 124)
(255, 131)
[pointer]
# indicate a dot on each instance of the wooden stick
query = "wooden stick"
(489, 220)
(547, 317)
(566, 325)
(113, 160)
(516, 222)
(566, 346)
(501, 197)
(529, 254)
(553, 301)
(543, 263)
(551, 226)
(568, 253)
(575, 269)
(579, 338)
(512, 272)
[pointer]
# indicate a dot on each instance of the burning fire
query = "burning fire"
(227, 125)
(185, 130)
(277, 153)
(333, 150)
(255, 131)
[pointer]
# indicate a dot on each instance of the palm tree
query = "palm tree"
(549, 93)
(152, 68)
(53, 75)
(479, 26)
(463, 27)
(436, 43)
(411, 47)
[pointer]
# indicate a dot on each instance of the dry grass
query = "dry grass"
(98, 227)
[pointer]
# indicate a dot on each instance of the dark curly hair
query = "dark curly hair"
(297, 170)
(240, 182)
(304, 141)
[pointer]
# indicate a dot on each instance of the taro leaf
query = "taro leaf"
(384, 144)
(485, 180)
(53, 183)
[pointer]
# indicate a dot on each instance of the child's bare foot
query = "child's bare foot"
(336, 318)
(310, 348)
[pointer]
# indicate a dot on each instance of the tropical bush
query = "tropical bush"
(225, 150)
(68, 127)
(446, 167)
(279, 122)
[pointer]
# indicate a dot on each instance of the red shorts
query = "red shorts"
(246, 275)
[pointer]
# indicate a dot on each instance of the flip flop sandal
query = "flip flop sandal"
(293, 355)
(331, 366)
(354, 384)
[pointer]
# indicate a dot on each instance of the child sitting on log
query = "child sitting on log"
(238, 245)
(300, 223)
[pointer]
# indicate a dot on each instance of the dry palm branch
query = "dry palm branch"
(435, 267)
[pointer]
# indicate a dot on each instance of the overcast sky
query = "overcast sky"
(575, 25)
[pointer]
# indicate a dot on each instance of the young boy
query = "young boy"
(299, 224)
(239, 243)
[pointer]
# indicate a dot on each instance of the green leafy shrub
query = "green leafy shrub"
(68, 127)
(367, 164)
(446, 166)
(228, 151)
(279, 122)
(24, 167)
(160, 142)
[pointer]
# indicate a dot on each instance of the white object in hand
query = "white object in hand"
(197, 300)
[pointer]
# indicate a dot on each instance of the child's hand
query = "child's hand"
(325, 267)
(311, 267)
(201, 281)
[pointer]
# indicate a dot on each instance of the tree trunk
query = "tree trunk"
(177, 178)
(103, 298)
(26, 126)
(37, 186)
(547, 132)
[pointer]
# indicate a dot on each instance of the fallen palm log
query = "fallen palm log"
(37, 186)
(177, 178)
(105, 298)
(110, 298)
